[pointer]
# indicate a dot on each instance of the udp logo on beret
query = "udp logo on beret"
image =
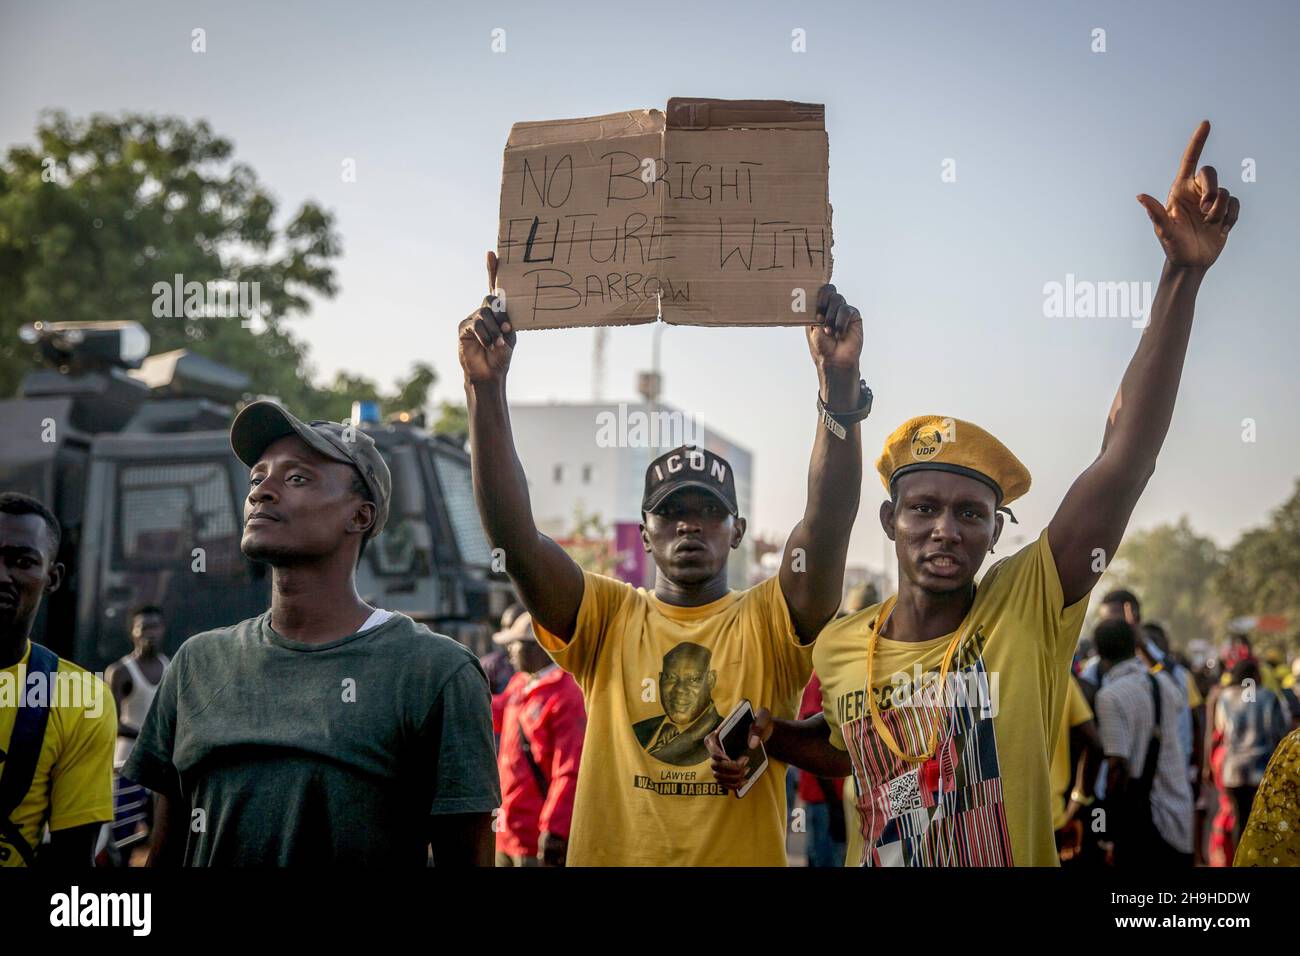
(926, 443)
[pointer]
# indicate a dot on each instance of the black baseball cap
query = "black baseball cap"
(260, 423)
(689, 466)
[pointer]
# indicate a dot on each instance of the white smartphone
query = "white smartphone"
(734, 737)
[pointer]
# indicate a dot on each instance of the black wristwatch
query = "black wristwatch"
(837, 423)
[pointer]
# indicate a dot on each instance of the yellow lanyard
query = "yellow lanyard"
(882, 616)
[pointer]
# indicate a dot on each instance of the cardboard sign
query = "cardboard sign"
(715, 214)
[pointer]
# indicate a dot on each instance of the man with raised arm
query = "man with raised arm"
(660, 669)
(944, 702)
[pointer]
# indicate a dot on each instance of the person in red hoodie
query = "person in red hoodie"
(822, 798)
(541, 720)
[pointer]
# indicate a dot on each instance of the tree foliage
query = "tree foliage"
(100, 210)
(452, 421)
(1261, 572)
(1170, 567)
(1194, 588)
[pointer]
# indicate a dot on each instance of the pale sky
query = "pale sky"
(1051, 142)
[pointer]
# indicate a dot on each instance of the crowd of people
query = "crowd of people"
(1174, 751)
(957, 722)
(1172, 805)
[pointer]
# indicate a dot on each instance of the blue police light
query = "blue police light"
(365, 413)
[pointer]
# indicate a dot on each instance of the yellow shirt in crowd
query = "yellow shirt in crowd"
(1077, 712)
(73, 783)
(985, 798)
(657, 680)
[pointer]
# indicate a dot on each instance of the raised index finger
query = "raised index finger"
(1192, 155)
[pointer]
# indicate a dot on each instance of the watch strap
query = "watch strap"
(837, 423)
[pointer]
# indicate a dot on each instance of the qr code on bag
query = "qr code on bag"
(905, 792)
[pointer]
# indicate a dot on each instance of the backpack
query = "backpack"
(1142, 836)
(25, 750)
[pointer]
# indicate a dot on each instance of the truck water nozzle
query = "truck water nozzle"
(121, 344)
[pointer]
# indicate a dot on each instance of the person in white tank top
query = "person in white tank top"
(134, 679)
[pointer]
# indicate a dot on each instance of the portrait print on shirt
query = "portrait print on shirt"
(686, 685)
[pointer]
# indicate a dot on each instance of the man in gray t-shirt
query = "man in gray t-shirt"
(323, 731)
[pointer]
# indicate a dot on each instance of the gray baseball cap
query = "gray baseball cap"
(260, 423)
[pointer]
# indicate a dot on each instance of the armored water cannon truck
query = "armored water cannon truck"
(132, 453)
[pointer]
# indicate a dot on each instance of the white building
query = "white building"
(593, 457)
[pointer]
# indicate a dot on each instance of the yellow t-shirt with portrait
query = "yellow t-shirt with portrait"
(1077, 712)
(73, 783)
(985, 797)
(657, 679)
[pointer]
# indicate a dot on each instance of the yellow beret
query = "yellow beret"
(939, 443)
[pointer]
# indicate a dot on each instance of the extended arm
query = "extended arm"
(804, 744)
(1117, 778)
(1192, 227)
(119, 683)
(462, 839)
(562, 752)
(170, 826)
(1093, 755)
(812, 572)
(72, 848)
(1086, 756)
(548, 581)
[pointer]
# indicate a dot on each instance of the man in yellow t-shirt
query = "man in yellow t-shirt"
(982, 794)
(1077, 741)
(660, 669)
(62, 772)
(945, 701)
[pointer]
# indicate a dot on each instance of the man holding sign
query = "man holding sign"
(659, 670)
(956, 770)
